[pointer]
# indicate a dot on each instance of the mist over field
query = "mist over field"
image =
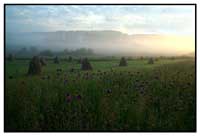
(103, 42)
(106, 30)
(98, 68)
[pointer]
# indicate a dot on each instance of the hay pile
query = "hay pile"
(10, 57)
(70, 59)
(150, 61)
(42, 61)
(123, 62)
(85, 65)
(35, 66)
(56, 60)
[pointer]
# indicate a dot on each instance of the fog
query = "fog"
(103, 42)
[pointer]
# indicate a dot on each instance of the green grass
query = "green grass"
(143, 97)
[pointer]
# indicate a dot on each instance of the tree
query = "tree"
(33, 50)
(23, 52)
(48, 53)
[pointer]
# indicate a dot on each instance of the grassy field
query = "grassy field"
(139, 97)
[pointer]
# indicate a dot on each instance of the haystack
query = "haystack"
(42, 61)
(150, 61)
(10, 57)
(70, 59)
(86, 65)
(123, 62)
(35, 67)
(56, 60)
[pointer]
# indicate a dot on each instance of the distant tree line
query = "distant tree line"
(32, 51)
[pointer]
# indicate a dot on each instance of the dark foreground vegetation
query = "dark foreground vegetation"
(139, 96)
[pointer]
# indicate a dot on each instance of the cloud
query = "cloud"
(128, 19)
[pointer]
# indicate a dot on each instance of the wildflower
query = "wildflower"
(58, 74)
(109, 91)
(78, 97)
(65, 81)
(156, 77)
(68, 98)
(59, 70)
(43, 78)
(72, 70)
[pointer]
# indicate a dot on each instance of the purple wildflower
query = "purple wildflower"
(78, 97)
(68, 98)
(109, 91)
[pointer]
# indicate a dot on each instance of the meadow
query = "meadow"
(137, 97)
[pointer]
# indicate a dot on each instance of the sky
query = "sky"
(130, 19)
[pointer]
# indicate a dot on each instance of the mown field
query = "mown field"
(138, 97)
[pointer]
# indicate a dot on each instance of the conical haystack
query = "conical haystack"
(85, 65)
(10, 57)
(150, 61)
(35, 67)
(70, 59)
(42, 61)
(123, 62)
(56, 60)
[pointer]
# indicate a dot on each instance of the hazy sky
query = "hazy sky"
(132, 19)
